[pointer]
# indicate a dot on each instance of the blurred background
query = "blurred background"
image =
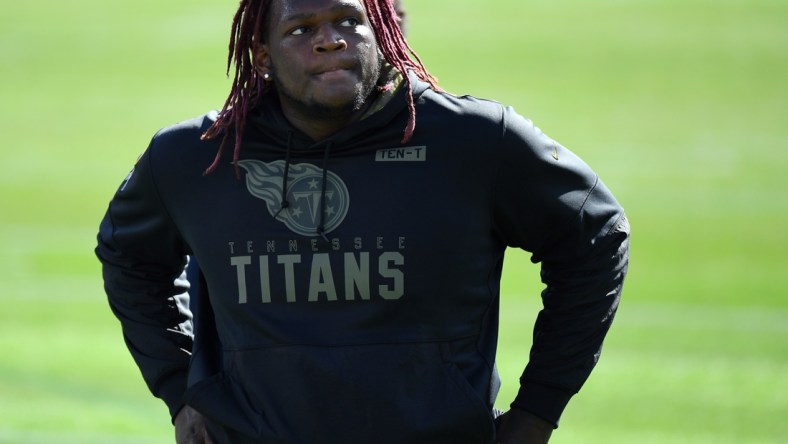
(680, 106)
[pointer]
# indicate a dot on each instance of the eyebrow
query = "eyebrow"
(338, 8)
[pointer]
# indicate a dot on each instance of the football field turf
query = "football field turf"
(680, 106)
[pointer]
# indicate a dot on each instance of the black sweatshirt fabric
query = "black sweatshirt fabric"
(352, 284)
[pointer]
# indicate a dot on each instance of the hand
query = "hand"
(520, 427)
(190, 427)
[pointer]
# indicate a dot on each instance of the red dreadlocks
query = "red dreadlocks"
(247, 86)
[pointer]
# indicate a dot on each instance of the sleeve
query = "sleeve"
(143, 260)
(551, 204)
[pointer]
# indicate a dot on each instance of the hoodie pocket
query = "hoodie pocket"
(227, 409)
(387, 394)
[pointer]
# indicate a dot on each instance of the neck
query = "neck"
(321, 123)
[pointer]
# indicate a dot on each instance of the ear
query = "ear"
(262, 60)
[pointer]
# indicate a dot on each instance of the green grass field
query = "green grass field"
(681, 106)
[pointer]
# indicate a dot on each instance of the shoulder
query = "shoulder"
(476, 112)
(468, 119)
(465, 106)
(180, 146)
(474, 117)
(187, 131)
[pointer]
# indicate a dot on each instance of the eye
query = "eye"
(301, 30)
(350, 22)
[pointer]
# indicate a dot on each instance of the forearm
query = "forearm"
(156, 327)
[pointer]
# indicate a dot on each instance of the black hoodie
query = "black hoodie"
(362, 306)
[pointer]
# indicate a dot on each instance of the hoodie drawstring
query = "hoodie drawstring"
(321, 229)
(285, 202)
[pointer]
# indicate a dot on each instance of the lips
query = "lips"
(334, 68)
(329, 70)
(336, 74)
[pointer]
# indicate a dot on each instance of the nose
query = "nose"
(327, 39)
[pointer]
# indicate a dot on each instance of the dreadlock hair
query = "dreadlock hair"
(248, 86)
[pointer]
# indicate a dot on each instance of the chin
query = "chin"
(339, 104)
(329, 108)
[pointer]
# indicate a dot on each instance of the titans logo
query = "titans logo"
(304, 191)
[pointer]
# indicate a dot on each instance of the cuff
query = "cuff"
(171, 392)
(545, 402)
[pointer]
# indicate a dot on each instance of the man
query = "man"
(352, 248)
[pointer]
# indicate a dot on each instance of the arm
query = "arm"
(143, 259)
(580, 299)
(551, 204)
